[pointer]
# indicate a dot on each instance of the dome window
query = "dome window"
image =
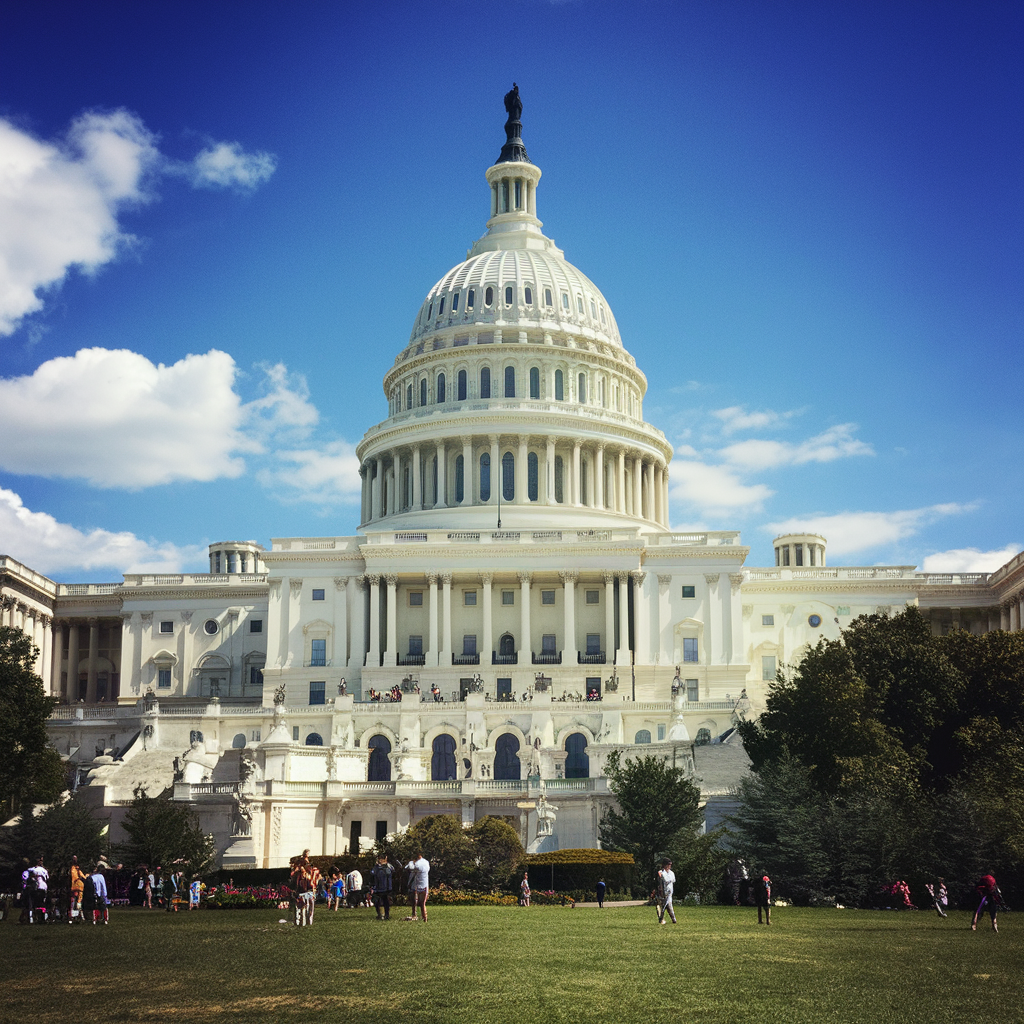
(460, 479)
(579, 304)
(430, 310)
(508, 477)
(581, 388)
(559, 386)
(547, 297)
(471, 299)
(485, 477)
(489, 297)
(408, 397)
(440, 389)
(455, 303)
(510, 382)
(528, 295)
(532, 476)
(593, 309)
(565, 300)
(519, 194)
(508, 295)
(423, 391)
(462, 382)
(559, 474)
(485, 383)
(534, 382)
(602, 314)
(440, 309)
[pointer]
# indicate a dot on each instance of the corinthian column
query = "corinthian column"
(569, 648)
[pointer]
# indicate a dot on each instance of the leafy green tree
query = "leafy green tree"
(443, 841)
(658, 815)
(497, 850)
(30, 769)
(161, 833)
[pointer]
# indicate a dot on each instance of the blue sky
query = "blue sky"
(217, 223)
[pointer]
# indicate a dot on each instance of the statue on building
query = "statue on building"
(513, 104)
(342, 687)
(545, 816)
(179, 770)
(279, 696)
(332, 765)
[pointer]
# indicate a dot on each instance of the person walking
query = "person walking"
(663, 889)
(524, 891)
(763, 898)
(354, 887)
(602, 888)
(36, 881)
(95, 899)
(419, 884)
(990, 898)
(78, 877)
(940, 898)
(383, 882)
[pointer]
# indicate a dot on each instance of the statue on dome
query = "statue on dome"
(513, 104)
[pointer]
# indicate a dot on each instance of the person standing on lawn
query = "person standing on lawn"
(990, 897)
(419, 884)
(78, 877)
(664, 886)
(524, 890)
(763, 898)
(96, 897)
(383, 875)
(940, 898)
(602, 888)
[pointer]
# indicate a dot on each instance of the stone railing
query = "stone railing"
(190, 579)
(525, 537)
(86, 589)
(710, 538)
(891, 572)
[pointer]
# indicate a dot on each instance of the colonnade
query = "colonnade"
(529, 471)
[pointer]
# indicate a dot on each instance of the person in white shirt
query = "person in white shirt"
(419, 884)
(663, 892)
(354, 888)
(35, 881)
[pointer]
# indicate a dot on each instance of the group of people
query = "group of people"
(386, 696)
(306, 884)
(88, 899)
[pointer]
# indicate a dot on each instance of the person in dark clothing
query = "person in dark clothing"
(763, 898)
(990, 897)
(383, 883)
(602, 888)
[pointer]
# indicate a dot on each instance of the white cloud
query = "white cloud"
(736, 418)
(328, 475)
(60, 202)
(713, 489)
(969, 559)
(39, 540)
(851, 532)
(227, 165)
(284, 408)
(837, 442)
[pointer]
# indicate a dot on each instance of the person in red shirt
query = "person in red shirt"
(990, 898)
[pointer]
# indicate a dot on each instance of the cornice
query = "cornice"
(191, 594)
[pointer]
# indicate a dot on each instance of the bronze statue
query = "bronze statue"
(513, 104)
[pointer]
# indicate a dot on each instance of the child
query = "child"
(336, 892)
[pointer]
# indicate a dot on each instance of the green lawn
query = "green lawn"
(491, 965)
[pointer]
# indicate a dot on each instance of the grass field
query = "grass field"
(492, 965)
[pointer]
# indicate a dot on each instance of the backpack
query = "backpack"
(31, 881)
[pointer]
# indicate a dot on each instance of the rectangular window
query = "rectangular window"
(166, 627)
(355, 832)
(318, 595)
(469, 643)
(547, 597)
(415, 598)
(469, 599)
(767, 620)
(661, 731)
(508, 597)
(318, 693)
(692, 690)
(593, 597)
(690, 649)
(255, 625)
(416, 645)
(594, 685)
(689, 591)
(318, 652)
(256, 677)
(843, 609)
(547, 643)
(254, 736)
(768, 668)
(504, 689)
(295, 733)
(382, 826)
(164, 679)
(799, 553)
(593, 643)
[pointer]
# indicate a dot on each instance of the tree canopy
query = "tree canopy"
(161, 833)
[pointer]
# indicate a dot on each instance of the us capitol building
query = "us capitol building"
(515, 581)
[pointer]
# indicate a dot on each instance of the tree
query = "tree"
(659, 814)
(498, 850)
(443, 842)
(161, 833)
(30, 769)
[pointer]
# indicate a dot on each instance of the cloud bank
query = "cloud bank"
(969, 559)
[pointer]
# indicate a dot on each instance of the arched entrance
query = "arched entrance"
(577, 764)
(442, 763)
(379, 769)
(506, 761)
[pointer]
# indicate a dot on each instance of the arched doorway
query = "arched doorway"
(314, 739)
(380, 764)
(442, 763)
(507, 645)
(506, 761)
(577, 764)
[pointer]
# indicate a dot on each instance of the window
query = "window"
(508, 295)
(255, 677)
(255, 625)
(210, 626)
(690, 649)
(216, 561)
(508, 476)
(504, 689)
(506, 761)
(318, 652)
(768, 668)
(469, 643)
(489, 297)
(593, 309)
(577, 764)
(534, 382)
(579, 304)
(430, 309)
(423, 391)
(843, 609)
(442, 761)
(559, 386)
(163, 679)
(469, 598)
(485, 383)
(462, 382)
(547, 297)
(415, 645)
(440, 389)
(380, 763)
(559, 474)
(314, 739)
(689, 591)
(642, 736)
(703, 737)
(547, 597)
(408, 397)
(602, 314)
(510, 382)
(455, 302)
(528, 295)
(565, 301)
(166, 626)
(593, 643)
(415, 598)
(519, 194)
(254, 736)
(692, 690)
(318, 595)
(799, 549)
(471, 298)
(508, 597)
(547, 643)
(593, 597)
(295, 733)
(485, 477)
(440, 309)
(317, 695)
(532, 476)
(581, 388)
(460, 478)
(767, 620)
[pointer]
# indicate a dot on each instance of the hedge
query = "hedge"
(578, 870)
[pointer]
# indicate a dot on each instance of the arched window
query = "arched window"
(440, 309)
(314, 739)
(485, 383)
(559, 386)
(559, 475)
(534, 382)
(408, 397)
(583, 482)
(433, 477)
(488, 296)
(463, 382)
(531, 476)
(460, 478)
(703, 737)
(506, 760)
(528, 295)
(643, 736)
(430, 309)
(547, 297)
(581, 388)
(507, 645)
(239, 741)
(579, 304)
(510, 382)
(471, 298)
(508, 477)
(565, 300)
(442, 763)
(440, 389)
(593, 309)
(485, 477)
(455, 303)
(508, 294)
(380, 763)
(423, 391)
(577, 764)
